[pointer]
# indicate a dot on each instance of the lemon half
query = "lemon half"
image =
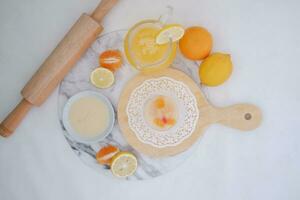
(123, 164)
(102, 78)
(170, 32)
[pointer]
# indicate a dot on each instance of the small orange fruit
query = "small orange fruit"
(104, 156)
(158, 122)
(163, 122)
(159, 103)
(196, 44)
(171, 121)
(111, 59)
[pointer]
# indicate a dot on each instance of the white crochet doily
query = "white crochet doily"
(187, 107)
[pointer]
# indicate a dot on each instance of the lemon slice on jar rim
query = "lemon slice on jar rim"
(173, 32)
(123, 164)
(102, 78)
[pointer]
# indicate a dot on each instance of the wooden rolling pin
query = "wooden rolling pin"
(83, 33)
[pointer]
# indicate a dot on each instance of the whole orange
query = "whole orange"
(196, 44)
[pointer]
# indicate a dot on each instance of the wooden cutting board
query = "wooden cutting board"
(244, 117)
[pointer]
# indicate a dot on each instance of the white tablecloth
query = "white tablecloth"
(263, 37)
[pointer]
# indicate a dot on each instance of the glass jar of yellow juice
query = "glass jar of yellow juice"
(143, 52)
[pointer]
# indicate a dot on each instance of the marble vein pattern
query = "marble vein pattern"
(78, 80)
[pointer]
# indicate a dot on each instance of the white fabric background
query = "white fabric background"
(263, 37)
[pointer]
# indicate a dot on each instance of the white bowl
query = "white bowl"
(72, 132)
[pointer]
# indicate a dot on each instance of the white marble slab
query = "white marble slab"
(263, 38)
(78, 80)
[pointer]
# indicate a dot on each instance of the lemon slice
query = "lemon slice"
(102, 78)
(123, 164)
(170, 32)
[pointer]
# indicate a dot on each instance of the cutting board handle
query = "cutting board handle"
(240, 116)
(102, 9)
(12, 121)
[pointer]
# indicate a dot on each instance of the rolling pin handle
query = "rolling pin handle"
(12, 121)
(102, 9)
(57, 65)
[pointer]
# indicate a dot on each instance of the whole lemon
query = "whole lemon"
(215, 69)
(196, 43)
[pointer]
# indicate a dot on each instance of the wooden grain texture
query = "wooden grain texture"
(14, 118)
(130, 135)
(102, 9)
(233, 116)
(244, 117)
(80, 37)
(61, 60)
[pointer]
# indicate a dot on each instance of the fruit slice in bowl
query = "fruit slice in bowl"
(171, 32)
